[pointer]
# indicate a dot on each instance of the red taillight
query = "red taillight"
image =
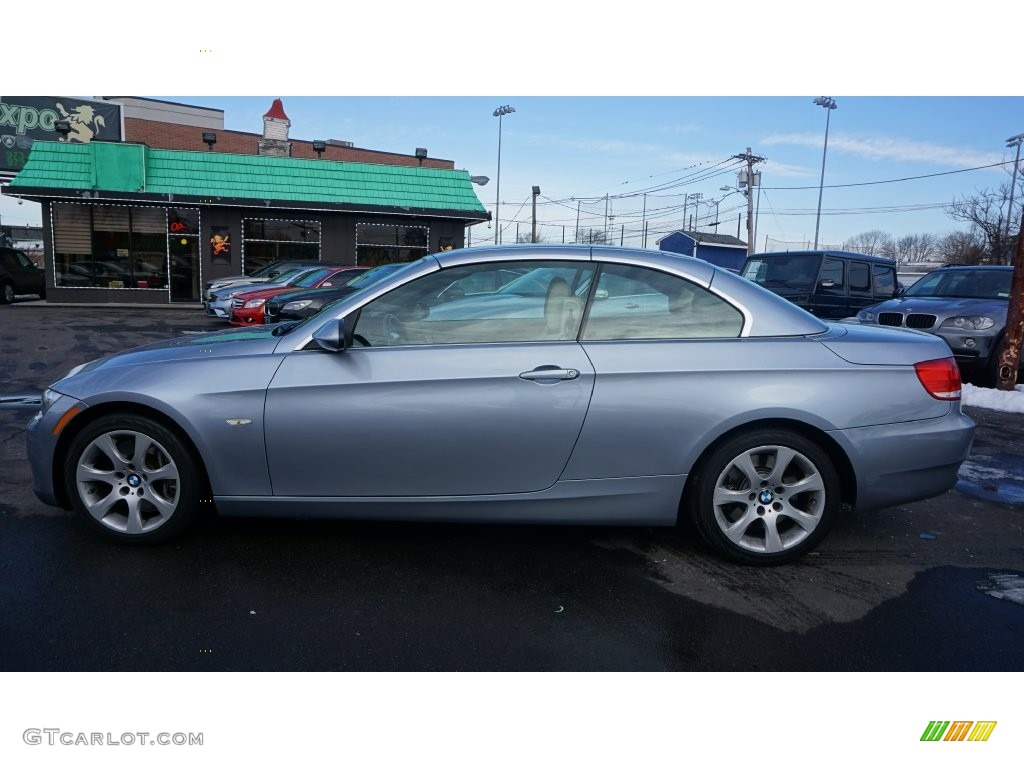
(941, 378)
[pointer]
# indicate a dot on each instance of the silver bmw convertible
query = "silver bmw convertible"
(599, 385)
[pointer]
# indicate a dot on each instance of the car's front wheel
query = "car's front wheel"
(765, 498)
(132, 480)
(6, 293)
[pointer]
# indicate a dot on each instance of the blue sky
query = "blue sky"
(577, 149)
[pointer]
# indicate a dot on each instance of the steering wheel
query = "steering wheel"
(361, 339)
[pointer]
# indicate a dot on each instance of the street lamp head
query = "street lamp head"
(1015, 141)
(826, 101)
(481, 180)
(503, 110)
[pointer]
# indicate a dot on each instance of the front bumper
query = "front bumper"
(970, 348)
(42, 444)
(246, 316)
(220, 308)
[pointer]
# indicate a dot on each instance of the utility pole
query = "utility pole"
(576, 237)
(686, 200)
(750, 160)
(1009, 357)
(606, 218)
(533, 232)
(1013, 141)
(643, 219)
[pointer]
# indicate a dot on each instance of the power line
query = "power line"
(894, 181)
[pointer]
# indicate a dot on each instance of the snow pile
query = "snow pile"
(995, 399)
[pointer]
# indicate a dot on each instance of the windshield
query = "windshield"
(964, 284)
(352, 287)
(371, 276)
(285, 277)
(797, 272)
(262, 271)
(312, 278)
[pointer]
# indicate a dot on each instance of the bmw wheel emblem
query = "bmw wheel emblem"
(134, 481)
(766, 497)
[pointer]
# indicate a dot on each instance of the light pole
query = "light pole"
(499, 113)
(1013, 141)
(829, 104)
(731, 191)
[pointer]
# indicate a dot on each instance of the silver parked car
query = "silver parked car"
(603, 385)
(966, 306)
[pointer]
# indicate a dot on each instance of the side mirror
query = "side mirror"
(331, 337)
(900, 290)
(600, 294)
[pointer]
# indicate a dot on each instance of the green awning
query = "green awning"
(138, 171)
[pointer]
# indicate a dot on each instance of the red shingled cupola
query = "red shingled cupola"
(275, 132)
(277, 111)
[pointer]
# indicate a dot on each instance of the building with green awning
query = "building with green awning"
(125, 222)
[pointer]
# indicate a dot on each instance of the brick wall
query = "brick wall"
(169, 136)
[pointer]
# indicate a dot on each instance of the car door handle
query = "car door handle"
(632, 306)
(546, 373)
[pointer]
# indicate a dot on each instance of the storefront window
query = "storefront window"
(265, 241)
(107, 246)
(388, 243)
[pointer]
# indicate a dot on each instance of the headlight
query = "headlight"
(253, 303)
(49, 398)
(295, 305)
(969, 322)
(866, 317)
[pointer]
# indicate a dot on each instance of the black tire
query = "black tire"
(6, 292)
(742, 525)
(132, 480)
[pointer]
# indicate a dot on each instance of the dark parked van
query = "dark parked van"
(829, 284)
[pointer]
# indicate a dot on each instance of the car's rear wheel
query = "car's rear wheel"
(132, 480)
(765, 498)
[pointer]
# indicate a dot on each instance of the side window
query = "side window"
(640, 303)
(832, 280)
(885, 282)
(543, 302)
(860, 277)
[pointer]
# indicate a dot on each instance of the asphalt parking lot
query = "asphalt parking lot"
(936, 585)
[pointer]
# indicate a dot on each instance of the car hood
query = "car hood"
(263, 293)
(221, 292)
(944, 307)
(233, 342)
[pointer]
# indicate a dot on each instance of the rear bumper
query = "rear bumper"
(909, 461)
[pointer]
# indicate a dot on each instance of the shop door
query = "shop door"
(184, 266)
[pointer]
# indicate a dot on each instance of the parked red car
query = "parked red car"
(247, 308)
